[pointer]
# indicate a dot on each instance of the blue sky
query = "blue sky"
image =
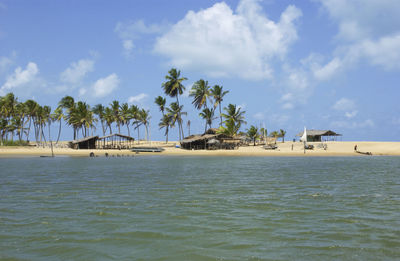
(323, 64)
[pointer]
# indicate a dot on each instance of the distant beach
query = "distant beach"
(338, 148)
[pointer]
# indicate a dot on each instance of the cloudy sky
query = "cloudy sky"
(323, 64)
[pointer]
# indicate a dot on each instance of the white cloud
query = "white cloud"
(327, 71)
(344, 104)
(296, 88)
(371, 34)
(104, 86)
(259, 116)
(220, 42)
(130, 31)
(6, 62)
(347, 106)
(20, 77)
(138, 98)
(77, 71)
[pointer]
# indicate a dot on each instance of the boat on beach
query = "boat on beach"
(147, 149)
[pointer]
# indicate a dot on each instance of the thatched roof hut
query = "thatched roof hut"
(85, 143)
(319, 135)
(211, 139)
(115, 141)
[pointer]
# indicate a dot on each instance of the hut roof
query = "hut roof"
(211, 131)
(319, 133)
(118, 135)
(85, 139)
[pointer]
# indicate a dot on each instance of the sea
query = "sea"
(200, 208)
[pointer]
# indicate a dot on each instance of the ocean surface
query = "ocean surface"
(200, 208)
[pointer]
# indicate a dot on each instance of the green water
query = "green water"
(200, 208)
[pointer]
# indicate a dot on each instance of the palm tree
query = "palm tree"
(109, 118)
(144, 117)
(200, 92)
(126, 116)
(135, 117)
(234, 118)
(68, 103)
(175, 111)
(58, 116)
(274, 134)
(160, 101)
(31, 108)
(218, 94)
(98, 110)
(208, 115)
(166, 122)
(117, 114)
(173, 87)
(188, 125)
(252, 133)
(282, 134)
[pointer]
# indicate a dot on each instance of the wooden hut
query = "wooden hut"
(115, 141)
(85, 143)
(320, 135)
(210, 140)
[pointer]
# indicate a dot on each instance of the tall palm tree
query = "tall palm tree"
(68, 103)
(144, 117)
(166, 122)
(218, 94)
(173, 87)
(98, 110)
(109, 118)
(234, 118)
(160, 101)
(126, 116)
(117, 114)
(135, 117)
(252, 133)
(200, 92)
(188, 125)
(208, 115)
(58, 115)
(31, 107)
(175, 111)
(282, 134)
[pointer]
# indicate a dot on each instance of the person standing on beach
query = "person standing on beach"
(355, 147)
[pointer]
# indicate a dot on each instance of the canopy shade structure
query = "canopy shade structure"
(319, 135)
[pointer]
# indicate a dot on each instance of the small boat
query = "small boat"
(147, 149)
(364, 153)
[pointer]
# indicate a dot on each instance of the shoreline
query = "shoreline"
(337, 148)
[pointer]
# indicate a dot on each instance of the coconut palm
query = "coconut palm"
(166, 122)
(188, 125)
(144, 117)
(252, 133)
(109, 118)
(135, 117)
(208, 115)
(200, 92)
(160, 101)
(98, 110)
(117, 114)
(173, 87)
(58, 115)
(282, 134)
(68, 103)
(175, 111)
(274, 134)
(218, 94)
(126, 116)
(234, 118)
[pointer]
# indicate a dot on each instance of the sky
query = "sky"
(320, 64)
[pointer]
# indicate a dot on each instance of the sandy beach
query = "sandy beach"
(284, 149)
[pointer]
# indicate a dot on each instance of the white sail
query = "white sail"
(304, 137)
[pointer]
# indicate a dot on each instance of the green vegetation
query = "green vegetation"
(18, 119)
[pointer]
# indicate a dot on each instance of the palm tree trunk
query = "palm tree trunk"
(166, 132)
(220, 114)
(129, 132)
(59, 133)
(138, 139)
(179, 119)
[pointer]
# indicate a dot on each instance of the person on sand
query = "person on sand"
(355, 147)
